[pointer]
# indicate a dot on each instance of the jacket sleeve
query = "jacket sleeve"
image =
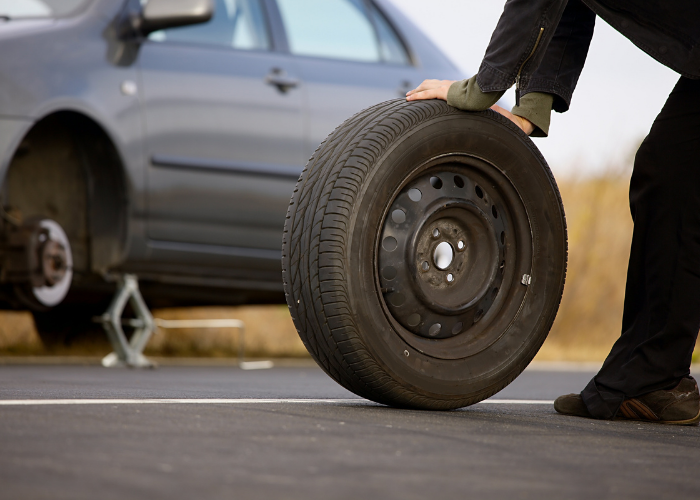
(541, 46)
(561, 64)
(553, 82)
(517, 45)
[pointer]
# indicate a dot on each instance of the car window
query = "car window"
(390, 45)
(239, 24)
(16, 9)
(338, 29)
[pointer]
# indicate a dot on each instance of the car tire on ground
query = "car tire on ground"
(69, 325)
(424, 254)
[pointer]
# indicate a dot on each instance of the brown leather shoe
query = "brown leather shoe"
(679, 406)
(571, 404)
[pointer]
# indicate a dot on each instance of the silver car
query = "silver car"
(164, 138)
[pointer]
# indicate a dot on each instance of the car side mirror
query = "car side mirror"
(161, 14)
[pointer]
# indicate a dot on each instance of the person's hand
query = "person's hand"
(523, 123)
(430, 89)
(437, 89)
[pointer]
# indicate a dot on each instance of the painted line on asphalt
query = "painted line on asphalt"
(518, 401)
(212, 401)
(208, 401)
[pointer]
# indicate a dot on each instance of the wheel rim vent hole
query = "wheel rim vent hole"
(457, 328)
(415, 194)
(450, 278)
(459, 182)
(389, 273)
(398, 216)
(494, 211)
(460, 245)
(397, 299)
(390, 243)
(435, 329)
(413, 319)
(479, 192)
(436, 182)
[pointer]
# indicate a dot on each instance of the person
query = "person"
(541, 47)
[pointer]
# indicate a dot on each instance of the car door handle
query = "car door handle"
(280, 79)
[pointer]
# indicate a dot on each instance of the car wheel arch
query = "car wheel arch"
(71, 161)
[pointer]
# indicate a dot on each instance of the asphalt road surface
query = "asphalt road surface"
(88, 432)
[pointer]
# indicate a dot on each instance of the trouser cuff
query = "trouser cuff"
(602, 403)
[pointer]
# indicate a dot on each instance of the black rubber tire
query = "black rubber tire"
(330, 247)
(71, 324)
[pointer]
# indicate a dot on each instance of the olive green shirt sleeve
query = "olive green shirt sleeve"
(467, 95)
(537, 108)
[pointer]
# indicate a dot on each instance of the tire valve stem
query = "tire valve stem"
(526, 280)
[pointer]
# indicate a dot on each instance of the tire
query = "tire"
(70, 325)
(363, 277)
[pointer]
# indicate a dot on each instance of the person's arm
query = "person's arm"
(551, 83)
(517, 44)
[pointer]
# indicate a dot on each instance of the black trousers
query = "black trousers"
(662, 299)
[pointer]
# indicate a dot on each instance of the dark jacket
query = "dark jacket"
(541, 45)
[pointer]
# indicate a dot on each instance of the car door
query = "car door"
(225, 143)
(350, 57)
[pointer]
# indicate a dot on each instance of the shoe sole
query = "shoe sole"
(691, 421)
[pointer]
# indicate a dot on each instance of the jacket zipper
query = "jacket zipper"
(517, 78)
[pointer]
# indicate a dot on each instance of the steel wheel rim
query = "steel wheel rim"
(447, 312)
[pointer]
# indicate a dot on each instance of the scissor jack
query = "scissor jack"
(130, 352)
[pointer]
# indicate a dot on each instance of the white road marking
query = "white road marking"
(519, 401)
(256, 365)
(209, 401)
(212, 401)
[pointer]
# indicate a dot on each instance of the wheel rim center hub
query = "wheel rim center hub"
(440, 255)
(443, 255)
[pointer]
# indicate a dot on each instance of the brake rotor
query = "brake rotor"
(40, 263)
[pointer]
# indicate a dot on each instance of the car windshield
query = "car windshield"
(18, 9)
